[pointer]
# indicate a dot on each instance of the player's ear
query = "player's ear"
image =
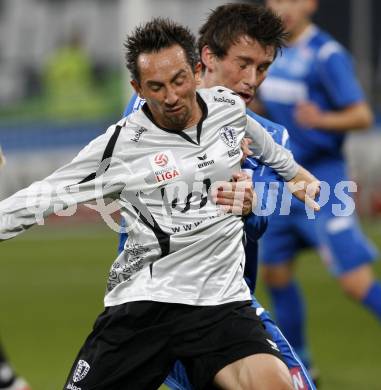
(135, 84)
(198, 72)
(208, 58)
(312, 6)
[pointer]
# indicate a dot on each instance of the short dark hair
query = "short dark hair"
(159, 33)
(227, 23)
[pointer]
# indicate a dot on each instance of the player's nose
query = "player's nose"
(171, 97)
(251, 78)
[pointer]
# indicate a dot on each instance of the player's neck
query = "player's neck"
(299, 32)
(197, 113)
(206, 81)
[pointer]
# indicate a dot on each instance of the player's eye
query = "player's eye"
(263, 68)
(155, 87)
(179, 81)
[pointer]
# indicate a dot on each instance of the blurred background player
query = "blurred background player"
(312, 90)
(8, 378)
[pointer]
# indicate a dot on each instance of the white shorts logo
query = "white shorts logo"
(81, 371)
(273, 345)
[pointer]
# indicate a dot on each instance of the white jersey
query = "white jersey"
(181, 248)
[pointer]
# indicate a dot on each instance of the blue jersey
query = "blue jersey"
(316, 69)
(256, 225)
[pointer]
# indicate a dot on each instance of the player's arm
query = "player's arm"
(268, 152)
(85, 178)
(337, 75)
(355, 117)
(302, 183)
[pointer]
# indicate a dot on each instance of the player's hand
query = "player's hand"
(308, 115)
(306, 188)
(245, 149)
(238, 196)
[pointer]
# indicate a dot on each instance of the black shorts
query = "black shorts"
(133, 346)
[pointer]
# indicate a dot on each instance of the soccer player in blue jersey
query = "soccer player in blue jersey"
(312, 89)
(236, 49)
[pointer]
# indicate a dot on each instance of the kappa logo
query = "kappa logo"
(229, 136)
(81, 371)
(223, 99)
(138, 134)
(161, 159)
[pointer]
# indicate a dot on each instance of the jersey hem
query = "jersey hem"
(192, 302)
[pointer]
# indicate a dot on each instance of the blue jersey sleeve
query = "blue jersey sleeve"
(338, 76)
(255, 225)
(262, 173)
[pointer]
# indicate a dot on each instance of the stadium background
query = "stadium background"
(62, 81)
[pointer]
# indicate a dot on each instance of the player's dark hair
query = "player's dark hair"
(228, 23)
(158, 34)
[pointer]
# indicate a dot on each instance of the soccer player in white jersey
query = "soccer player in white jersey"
(177, 290)
(237, 44)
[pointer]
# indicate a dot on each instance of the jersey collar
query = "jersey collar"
(306, 36)
(182, 133)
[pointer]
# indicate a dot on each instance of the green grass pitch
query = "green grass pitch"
(52, 282)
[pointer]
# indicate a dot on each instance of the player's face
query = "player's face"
(243, 68)
(294, 13)
(168, 84)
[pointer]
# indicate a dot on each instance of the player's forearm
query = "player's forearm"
(82, 180)
(53, 195)
(356, 117)
(305, 186)
(21, 211)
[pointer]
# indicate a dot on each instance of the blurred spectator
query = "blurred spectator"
(69, 83)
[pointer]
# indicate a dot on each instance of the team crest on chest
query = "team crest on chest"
(229, 136)
(164, 166)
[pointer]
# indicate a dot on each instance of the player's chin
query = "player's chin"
(177, 122)
(247, 98)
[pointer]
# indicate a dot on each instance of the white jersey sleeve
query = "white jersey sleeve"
(85, 178)
(270, 153)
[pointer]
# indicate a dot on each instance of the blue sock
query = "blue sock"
(289, 312)
(372, 300)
